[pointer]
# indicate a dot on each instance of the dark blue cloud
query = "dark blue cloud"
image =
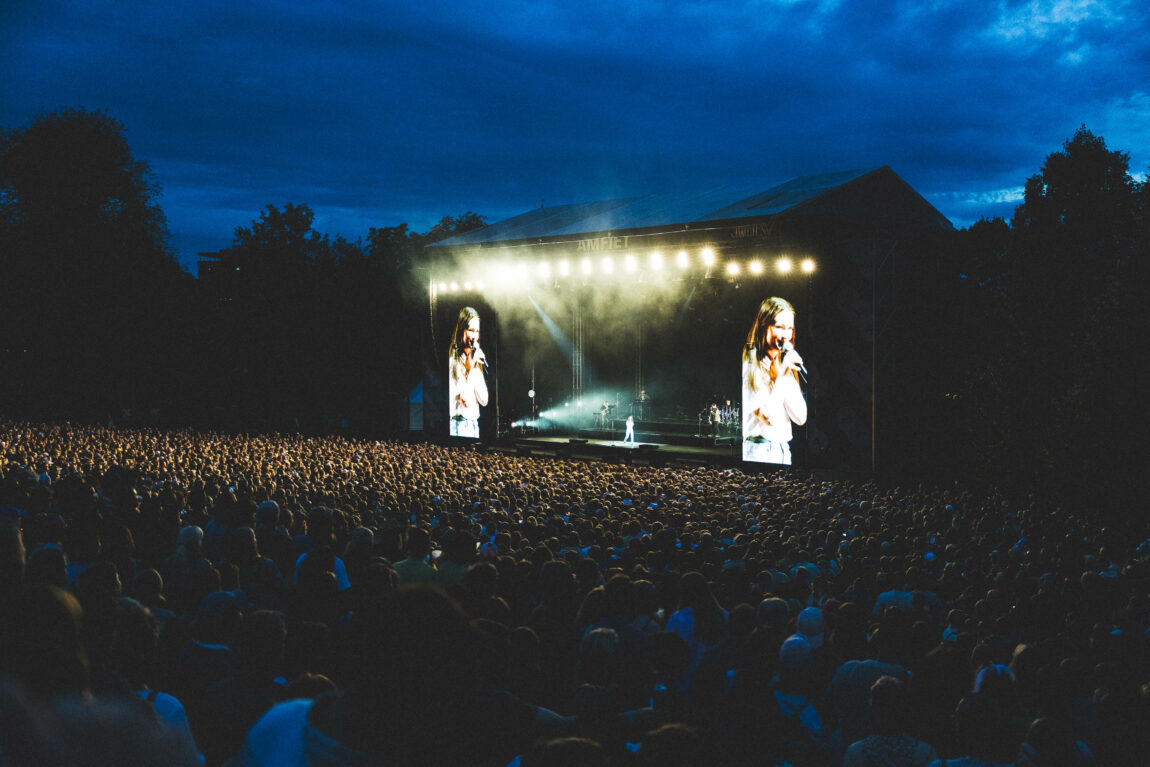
(378, 113)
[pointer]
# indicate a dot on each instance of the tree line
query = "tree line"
(1018, 355)
(1022, 356)
(291, 328)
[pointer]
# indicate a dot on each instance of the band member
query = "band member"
(467, 385)
(641, 405)
(716, 419)
(629, 436)
(772, 396)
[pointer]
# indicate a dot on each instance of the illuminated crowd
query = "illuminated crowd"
(181, 597)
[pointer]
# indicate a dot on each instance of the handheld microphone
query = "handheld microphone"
(475, 350)
(789, 347)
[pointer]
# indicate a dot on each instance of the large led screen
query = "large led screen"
(771, 374)
(466, 375)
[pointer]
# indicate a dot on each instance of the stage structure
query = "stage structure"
(655, 309)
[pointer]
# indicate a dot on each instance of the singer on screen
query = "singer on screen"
(467, 366)
(772, 396)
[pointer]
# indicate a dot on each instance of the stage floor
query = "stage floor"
(703, 452)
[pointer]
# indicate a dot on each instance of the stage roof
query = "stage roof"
(858, 194)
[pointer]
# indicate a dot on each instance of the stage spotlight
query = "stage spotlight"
(608, 265)
(708, 257)
(656, 260)
(784, 265)
(808, 265)
(454, 286)
(732, 268)
(631, 262)
(564, 268)
(479, 286)
(756, 267)
(468, 286)
(545, 270)
(587, 266)
(443, 287)
(683, 260)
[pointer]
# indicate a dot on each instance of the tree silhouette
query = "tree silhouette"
(301, 328)
(1050, 314)
(87, 275)
(1018, 361)
(450, 226)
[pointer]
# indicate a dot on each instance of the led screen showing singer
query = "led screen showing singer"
(772, 393)
(467, 367)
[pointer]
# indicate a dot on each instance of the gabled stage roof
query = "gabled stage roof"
(860, 195)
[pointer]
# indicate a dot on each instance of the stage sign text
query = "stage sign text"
(602, 243)
(749, 230)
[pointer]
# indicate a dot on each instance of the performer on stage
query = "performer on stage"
(630, 435)
(467, 385)
(772, 396)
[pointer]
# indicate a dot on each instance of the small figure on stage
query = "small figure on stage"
(630, 435)
(716, 419)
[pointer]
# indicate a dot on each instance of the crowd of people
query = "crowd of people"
(179, 597)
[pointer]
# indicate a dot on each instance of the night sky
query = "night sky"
(380, 113)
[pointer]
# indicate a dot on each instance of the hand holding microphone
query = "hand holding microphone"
(477, 356)
(791, 359)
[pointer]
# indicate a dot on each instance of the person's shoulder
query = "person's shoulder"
(924, 753)
(854, 754)
(166, 706)
(277, 737)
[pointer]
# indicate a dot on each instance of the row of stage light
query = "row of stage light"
(656, 263)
